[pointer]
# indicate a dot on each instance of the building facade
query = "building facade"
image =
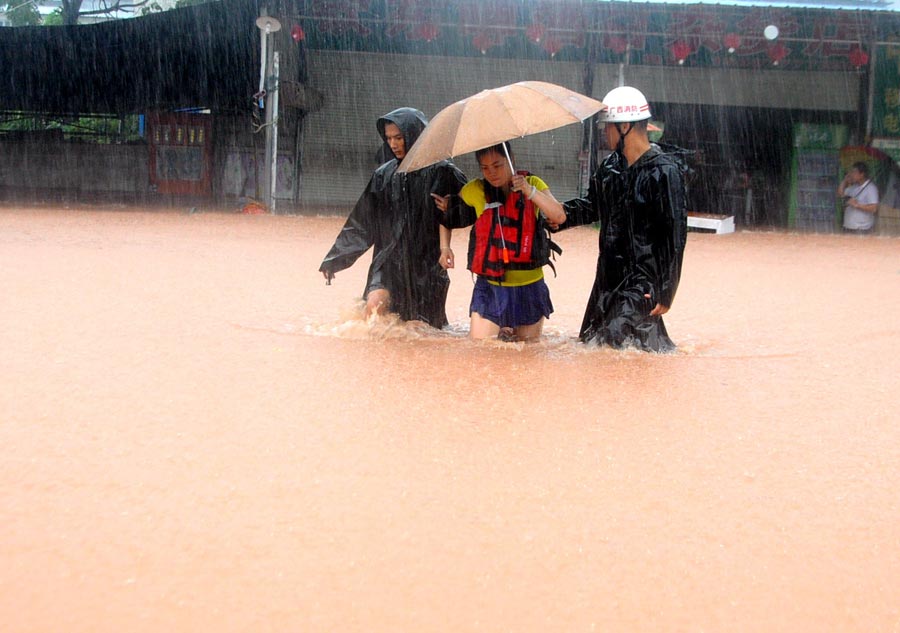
(740, 86)
(729, 82)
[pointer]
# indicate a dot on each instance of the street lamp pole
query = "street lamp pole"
(269, 85)
(272, 135)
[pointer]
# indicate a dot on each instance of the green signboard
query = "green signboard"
(886, 100)
(890, 146)
(818, 136)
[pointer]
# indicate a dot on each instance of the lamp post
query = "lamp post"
(268, 86)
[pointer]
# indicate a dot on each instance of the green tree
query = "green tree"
(71, 10)
(23, 13)
(54, 19)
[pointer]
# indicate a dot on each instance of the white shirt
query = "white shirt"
(857, 219)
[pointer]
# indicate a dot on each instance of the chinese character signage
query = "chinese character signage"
(886, 100)
(691, 35)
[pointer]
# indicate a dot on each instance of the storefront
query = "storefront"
(720, 79)
(732, 83)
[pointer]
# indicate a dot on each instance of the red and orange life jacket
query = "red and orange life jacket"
(509, 236)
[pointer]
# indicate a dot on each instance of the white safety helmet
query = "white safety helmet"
(624, 105)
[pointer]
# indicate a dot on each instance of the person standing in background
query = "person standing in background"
(860, 197)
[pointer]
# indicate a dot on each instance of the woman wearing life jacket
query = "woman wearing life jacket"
(508, 246)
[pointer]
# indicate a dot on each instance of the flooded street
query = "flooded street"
(198, 435)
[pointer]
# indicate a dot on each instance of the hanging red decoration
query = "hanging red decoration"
(552, 46)
(732, 41)
(858, 57)
(777, 52)
(617, 44)
(297, 33)
(535, 32)
(427, 32)
(680, 51)
(483, 42)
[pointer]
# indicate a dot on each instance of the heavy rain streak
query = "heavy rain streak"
(202, 434)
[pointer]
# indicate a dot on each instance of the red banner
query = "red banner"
(415, 19)
(562, 21)
(698, 28)
(836, 27)
(498, 16)
(751, 28)
(489, 23)
(340, 17)
(630, 25)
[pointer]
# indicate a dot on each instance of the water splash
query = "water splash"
(556, 343)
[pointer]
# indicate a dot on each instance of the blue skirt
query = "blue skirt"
(511, 306)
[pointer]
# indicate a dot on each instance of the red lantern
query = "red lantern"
(617, 44)
(858, 57)
(777, 52)
(427, 32)
(297, 33)
(535, 33)
(482, 42)
(680, 51)
(732, 41)
(552, 46)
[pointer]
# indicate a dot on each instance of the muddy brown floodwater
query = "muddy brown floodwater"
(198, 435)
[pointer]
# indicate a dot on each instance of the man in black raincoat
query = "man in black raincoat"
(397, 216)
(638, 196)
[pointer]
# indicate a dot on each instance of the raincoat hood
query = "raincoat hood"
(397, 217)
(410, 121)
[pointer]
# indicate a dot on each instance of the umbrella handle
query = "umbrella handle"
(509, 160)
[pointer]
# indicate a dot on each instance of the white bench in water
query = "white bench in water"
(711, 222)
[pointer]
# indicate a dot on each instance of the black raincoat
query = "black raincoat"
(642, 213)
(397, 216)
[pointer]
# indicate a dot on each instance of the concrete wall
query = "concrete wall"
(74, 167)
(340, 143)
(767, 88)
(340, 140)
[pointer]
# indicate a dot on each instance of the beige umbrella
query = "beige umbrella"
(496, 115)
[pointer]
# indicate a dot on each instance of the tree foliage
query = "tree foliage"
(71, 10)
(97, 128)
(23, 14)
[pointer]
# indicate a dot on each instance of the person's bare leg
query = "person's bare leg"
(378, 302)
(481, 328)
(530, 332)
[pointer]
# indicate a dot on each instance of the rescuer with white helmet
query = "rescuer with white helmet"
(625, 104)
(637, 195)
(626, 110)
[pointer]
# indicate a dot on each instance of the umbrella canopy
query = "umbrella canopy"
(496, 115)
